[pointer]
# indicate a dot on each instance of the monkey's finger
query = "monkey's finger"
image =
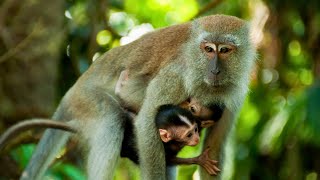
(206, 124)
(209, 170)
(216, 168)
(213, 161)
(211, 166)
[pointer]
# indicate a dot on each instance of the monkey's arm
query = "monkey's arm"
(203, 160)
(33, 123)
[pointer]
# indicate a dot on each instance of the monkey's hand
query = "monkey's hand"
(207, 123)
(208, 164)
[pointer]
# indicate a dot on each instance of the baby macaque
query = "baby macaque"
(177, 128)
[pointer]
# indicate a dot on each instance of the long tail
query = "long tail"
(32, 123)
(49, 146)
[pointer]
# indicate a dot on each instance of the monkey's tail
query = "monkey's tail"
(33, 123)
(49, 146)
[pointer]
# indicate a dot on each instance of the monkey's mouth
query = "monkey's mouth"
(215, 84)
(215, 80)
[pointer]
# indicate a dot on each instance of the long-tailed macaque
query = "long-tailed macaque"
(177, 128)
(208, 59)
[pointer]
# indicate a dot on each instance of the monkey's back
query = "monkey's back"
(144, 56)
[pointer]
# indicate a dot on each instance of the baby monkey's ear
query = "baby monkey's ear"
(165, 135)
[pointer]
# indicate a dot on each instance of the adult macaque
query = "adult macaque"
(208, 59)
(177, 128)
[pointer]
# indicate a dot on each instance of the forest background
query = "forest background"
(46, 45)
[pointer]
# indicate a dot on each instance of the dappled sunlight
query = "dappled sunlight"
(136, 32)
(44, 49)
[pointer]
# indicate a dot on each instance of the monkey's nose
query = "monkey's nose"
(215, 71)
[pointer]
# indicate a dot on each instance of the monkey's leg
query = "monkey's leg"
(48, 147)
(104, 137)
(216, 137)
(105, 144)
(151, 151)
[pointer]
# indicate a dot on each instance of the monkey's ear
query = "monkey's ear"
(164, 135)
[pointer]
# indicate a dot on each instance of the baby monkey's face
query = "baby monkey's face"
(189, 135)
(197, 109)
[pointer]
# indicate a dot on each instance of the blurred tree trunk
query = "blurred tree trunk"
(31, 35)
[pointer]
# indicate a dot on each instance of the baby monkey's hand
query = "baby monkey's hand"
(207, 123)
(208, 164)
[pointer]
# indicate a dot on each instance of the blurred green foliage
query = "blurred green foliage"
(278, 129)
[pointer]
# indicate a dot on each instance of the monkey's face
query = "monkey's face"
(190, 135)
(196, 108)
(222, 59)
(217, 54)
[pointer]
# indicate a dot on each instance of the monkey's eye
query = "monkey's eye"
(208, 49)
(189, 135)
(225, 49)
(196, 129)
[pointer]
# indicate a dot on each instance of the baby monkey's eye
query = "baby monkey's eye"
(189, 135)
(196, 129)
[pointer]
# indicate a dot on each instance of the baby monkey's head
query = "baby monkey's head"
(178, 124)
